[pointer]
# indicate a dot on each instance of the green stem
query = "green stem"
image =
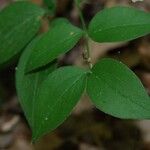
(87, 47)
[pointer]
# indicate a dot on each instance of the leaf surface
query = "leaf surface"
(119, 24)
(117, 91)
(19, 22)
(51, 5)
(58, 40)
(58, 95)
(28, 84)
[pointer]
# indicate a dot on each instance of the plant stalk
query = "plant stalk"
(87, 47)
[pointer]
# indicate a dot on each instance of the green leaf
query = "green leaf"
(117, 91)
(28, 84)
(51, 5)
(119, 24)
(58, 21)
(19, 22)
(58, 40)
(57, 96)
